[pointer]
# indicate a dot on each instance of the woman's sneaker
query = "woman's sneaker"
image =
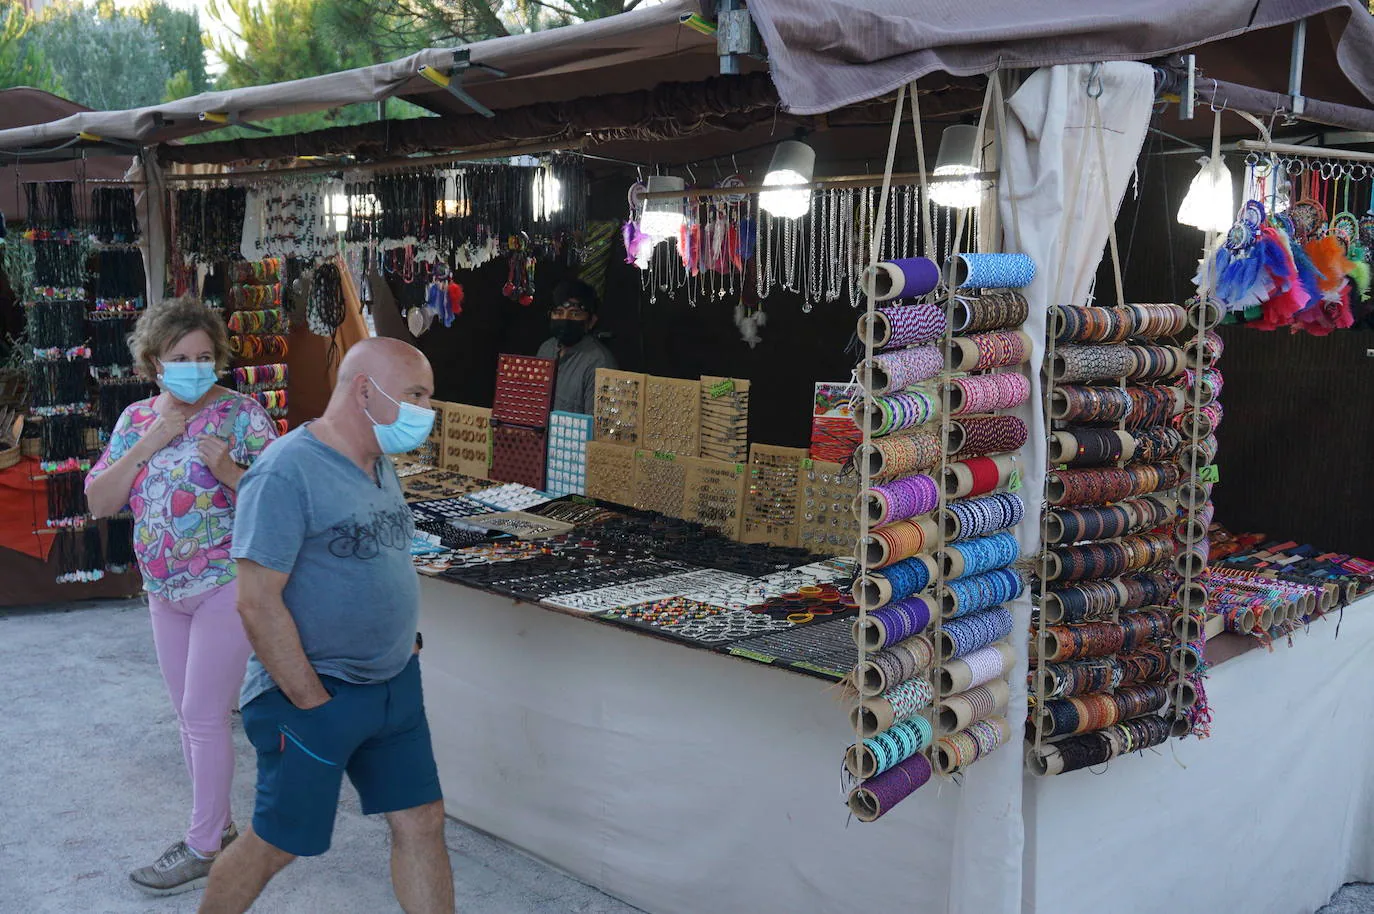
(178, 869)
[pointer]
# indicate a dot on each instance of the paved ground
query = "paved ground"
(1353, 899)
(92, 785)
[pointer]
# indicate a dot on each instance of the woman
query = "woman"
(175, 460)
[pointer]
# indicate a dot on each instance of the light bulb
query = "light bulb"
(793, 163)
(1210, 204)
(955, 194)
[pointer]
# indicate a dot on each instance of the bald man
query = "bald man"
(330, 601)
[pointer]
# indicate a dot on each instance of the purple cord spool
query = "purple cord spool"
(910, 496)
(909, 277)
(904, 325)
(898, 621)
(877, 795)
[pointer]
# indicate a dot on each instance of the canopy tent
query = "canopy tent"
(825, 55)
(636, 49)
(643, 86)
(23, 107)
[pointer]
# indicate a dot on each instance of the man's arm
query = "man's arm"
(273, 634)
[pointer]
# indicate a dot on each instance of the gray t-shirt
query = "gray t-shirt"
(574, 391)
(306, 510)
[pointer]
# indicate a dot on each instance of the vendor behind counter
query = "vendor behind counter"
(579, 353)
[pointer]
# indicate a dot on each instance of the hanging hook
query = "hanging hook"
(1095, 81)
(1216, 90)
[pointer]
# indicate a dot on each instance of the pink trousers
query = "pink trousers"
(203, 653)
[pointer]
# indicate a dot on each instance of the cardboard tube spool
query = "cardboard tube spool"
(1053, 566)
(869, 676)
(874, 328)
(1188, 628)
(952, 562)
(959, 478)
(944, 762)
(1054, 527)
(874, 377)
(883, 281)
(1180, 727)
(1352, 592)
(1205, 314)
(955, 714)
(1182, 693)
(1330, 595)
(1183, 661)
(1197, 424)
(874, 551)
(1266, 619)
(1052, 608)
(872, 592)
(1194, 596)
(1190, 562)
(1195, 457)
(869, 634)
(1191, 532)
(964, 354)
(957, 675)
(872, 716)
(1045, 763)
(1194, 495)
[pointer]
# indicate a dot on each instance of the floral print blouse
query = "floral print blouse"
(183, 515)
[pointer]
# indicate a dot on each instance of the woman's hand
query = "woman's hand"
(170, 423)
(215, 452)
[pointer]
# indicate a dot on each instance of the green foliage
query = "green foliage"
(183, 46)
(21, 62)
(104, 58)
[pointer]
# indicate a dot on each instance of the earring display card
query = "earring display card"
(672, 414)
(825, 507)
(467, 440)
(619, 406)
(518, 454)
(824, 649)
(610, 472)
(569, 434)
(715, 495)
(770, 505)
(724, 419)
(660, 483)
(524, 390)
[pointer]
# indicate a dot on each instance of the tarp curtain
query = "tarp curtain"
(1042, 149)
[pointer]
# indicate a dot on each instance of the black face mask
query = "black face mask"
(568, 333)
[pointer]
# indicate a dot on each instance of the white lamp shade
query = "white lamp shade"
(663, 216)
(793, 163)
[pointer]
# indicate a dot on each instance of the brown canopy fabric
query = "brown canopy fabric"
(826, 54)
(633, 50)
(24, 106)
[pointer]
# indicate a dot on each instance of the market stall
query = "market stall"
(765, 628)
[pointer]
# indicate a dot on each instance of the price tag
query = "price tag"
(664, 455)
(1014, 482)
(724, 387)
(1210, 473)
(808, 464)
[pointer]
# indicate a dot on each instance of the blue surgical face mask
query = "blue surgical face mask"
(409, 431)
(187, 381)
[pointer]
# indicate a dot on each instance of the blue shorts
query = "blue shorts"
(376, 733)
